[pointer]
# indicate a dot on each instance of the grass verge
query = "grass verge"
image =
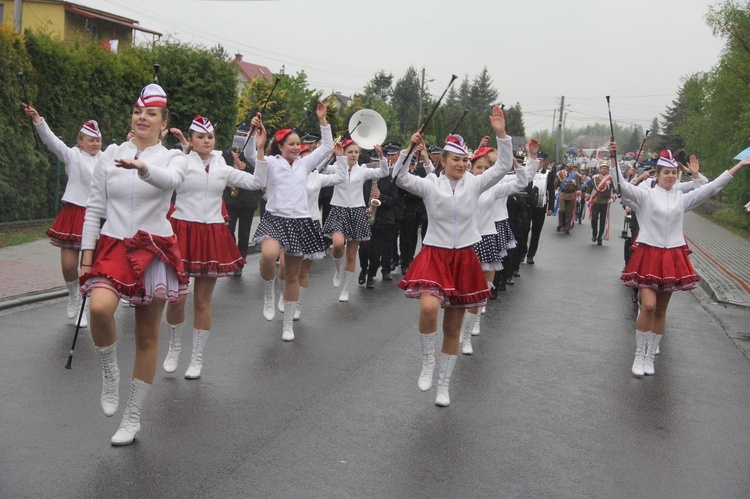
(733, 219)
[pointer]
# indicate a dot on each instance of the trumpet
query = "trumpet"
(373, 204)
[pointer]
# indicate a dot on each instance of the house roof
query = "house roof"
(98, 14)
(250, 70)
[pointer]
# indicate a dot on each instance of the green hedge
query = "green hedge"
(70, 83)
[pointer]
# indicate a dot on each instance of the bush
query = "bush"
(71, 83)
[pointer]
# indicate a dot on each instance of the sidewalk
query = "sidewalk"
(31, 272)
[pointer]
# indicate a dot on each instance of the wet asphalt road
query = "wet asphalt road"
(545, 407)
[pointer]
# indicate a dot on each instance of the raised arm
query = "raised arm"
(251, 147)
(704, 192)
(54, 144)
(314, 160)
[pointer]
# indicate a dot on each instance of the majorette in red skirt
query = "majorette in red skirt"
(138, 269)
(660, 269)
(67, 229)
(207, 249)
(454, 276)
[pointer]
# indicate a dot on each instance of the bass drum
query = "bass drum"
(539, 190)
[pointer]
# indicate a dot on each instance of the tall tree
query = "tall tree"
(514, 121)
(405, 101)
(379, 86)
(482, 93)
(655, 126)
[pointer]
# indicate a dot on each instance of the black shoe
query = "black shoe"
(510, 282)
(493, 294)
(362, 276)
(238, 273)
(593, 238)
(530, 260)
(516, 273)
(567, 231)
(370, 283)
(558, 229)
(599, 242)
(387, 276)
(501, 286)
(404, 269)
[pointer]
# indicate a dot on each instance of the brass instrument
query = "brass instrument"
(373, 204)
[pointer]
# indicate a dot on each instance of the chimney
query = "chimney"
(238, 57)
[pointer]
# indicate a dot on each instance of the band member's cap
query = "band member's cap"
(201, 125)
(152, 95)
(91, 128)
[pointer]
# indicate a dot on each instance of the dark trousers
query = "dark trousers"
(374, 253)
(408, 237)
(390, 255)
(565, 213)
(519, 253)
(245, 217)
(598, 220)
(537, 222)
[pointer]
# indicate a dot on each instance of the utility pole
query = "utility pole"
(554, 115)
(558, 142)
(421, 98)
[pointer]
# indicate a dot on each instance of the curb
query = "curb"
(32, 298)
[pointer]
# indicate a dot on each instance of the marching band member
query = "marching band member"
(489, 248)
(660, 263)
(347, 221)
(316, 181)
(446, 273)
(599, 195)
(376, 252)
(206, 245)
(568, 185)
(67, 228)
(286, 225)
(136, 256)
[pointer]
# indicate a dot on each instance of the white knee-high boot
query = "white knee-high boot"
(74, 299)
(131, 417)
(337, 273)
(428, 360)
(110, 398)
(447, 362)
(269, 310)
(348, 276)
(466, 332)
(281, 301)
(298, 311)
(287, 331)
(475, 330)
(175, 347)
(652, 345)
(200, 337)
(640, 354)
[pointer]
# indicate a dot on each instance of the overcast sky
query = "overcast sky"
(536, 50)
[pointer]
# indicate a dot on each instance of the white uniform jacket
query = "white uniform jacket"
(79, 165)
(452, 211)
(126, 200)
(199, 196)
(349, 192)
(661, 212)
(286, 187)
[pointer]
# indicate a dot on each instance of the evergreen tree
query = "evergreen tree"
(379, 86)
(405, 101)
(514, 121)
(655, 126)
(482, 94)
